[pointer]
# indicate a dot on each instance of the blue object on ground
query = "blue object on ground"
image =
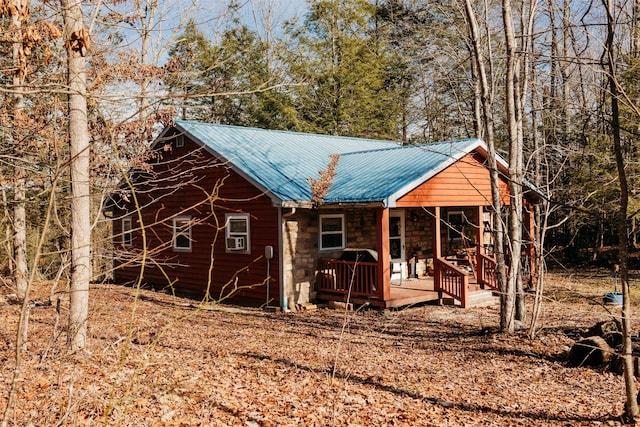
(612, 298)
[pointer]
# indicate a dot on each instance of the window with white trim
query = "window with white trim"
(179, 141)
(182, 234)
(237, 233)
(127, 231)
(332, 232)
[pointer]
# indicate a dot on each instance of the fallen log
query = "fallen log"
(590, 351)
(617, 361)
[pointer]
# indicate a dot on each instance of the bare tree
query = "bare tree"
(631, 407)
(485, 102)
(19, 11)
(514, 85)
(77, 43)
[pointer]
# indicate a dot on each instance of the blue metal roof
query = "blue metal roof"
(281, 163)
(387, 174)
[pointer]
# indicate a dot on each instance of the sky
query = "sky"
(211, 18)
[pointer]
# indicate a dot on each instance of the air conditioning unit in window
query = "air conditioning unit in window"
(235, 243)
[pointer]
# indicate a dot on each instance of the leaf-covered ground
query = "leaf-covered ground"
(157, 360)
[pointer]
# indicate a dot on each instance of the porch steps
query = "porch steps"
(478, 296)
(482, 298)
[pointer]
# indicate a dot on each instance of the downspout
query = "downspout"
(288, 214)
(281, 258)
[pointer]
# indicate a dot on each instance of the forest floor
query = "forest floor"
(158, 360)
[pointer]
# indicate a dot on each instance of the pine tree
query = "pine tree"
(348, 70)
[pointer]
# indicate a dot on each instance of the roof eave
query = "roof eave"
(302, 204)
(359, 204)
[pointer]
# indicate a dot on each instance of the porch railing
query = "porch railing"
(451, 280)
(335, 276)
(486, 273)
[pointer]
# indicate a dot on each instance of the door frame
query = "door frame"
(397, 264)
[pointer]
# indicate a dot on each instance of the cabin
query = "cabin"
(285, 219)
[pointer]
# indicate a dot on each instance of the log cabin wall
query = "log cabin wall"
(189, 182)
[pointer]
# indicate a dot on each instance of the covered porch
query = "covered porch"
(432, 260)
(437, 228)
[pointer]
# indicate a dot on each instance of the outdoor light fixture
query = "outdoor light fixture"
(414, 216)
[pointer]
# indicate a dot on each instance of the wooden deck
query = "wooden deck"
(403, 293)
(416, 291)
(412, 291)
(339, 280)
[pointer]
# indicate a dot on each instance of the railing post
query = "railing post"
(464, 291)
(480, 266)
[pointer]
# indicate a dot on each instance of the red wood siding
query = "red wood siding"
(190, 182)
(465, 183)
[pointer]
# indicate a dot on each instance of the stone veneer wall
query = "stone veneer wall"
(300, 238)
(418, 238)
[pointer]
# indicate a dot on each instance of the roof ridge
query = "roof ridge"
(289, 132)
(425, 145)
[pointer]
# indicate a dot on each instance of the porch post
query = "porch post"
(479, 230)
(478, 267)
(437, 240)
(384, 260)
(437, 249)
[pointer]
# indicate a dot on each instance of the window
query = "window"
(179, 141)
(396, 236)
(332, 233)
(182, 234)
(127, 233)
(456, 221)
(237, 233)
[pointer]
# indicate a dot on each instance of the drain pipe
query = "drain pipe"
(281, 217)
(268, 254)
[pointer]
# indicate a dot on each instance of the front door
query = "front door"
(396, 244)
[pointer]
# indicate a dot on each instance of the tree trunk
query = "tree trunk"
(486, 103)
(19, 11)
(20, 232)
(520, 92)
(77, 43)
(508, 300)
(635, 29)
(629, 380)
(540, 209)
(148, 20)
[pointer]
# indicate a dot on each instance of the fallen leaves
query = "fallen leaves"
(422, 366)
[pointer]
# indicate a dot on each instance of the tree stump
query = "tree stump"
(590, 351)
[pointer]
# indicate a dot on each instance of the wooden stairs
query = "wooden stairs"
(476, 297)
